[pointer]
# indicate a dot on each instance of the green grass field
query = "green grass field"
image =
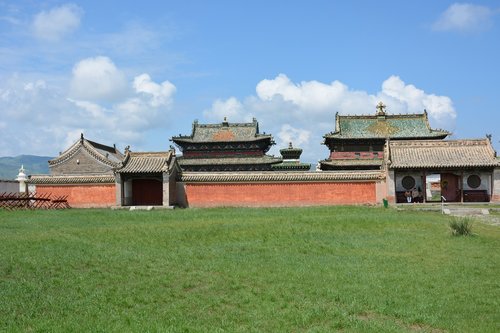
(349, 269)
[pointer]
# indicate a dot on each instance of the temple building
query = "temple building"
(146, 179)
(225, 147)
(358, 141)
(291, 160)
(450, 170)
(84, 173)
(373, 158)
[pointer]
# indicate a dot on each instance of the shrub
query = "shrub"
(461, 226)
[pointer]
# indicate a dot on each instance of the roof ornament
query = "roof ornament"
(290, 145)
(380, 109)
(225, 123)
(127, 149)
(81, 136)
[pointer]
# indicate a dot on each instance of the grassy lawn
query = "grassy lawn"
(351, 269)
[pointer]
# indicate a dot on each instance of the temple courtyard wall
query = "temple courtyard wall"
(276, 189)
(82, 195)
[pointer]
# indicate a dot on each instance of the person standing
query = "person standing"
(408, 196)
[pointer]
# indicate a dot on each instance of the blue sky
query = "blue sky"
(136, 73)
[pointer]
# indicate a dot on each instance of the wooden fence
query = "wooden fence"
(32, 200)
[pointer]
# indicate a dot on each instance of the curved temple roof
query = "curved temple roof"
(152, 162)
(223, 132)
(433, 154)
(381, 126)
(105, 154)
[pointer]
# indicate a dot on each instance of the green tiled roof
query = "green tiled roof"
(352, 162)
(265, 159)
(401, 126)
(223, 132)
(291, 166)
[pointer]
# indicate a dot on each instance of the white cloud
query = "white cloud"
(159, 94)
(232, 109)
(58, 22)
(39, 117)
(303, 112)
(464, 17)
(97, 79)
(297, 136)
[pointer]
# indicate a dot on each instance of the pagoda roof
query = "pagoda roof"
(291, 165)
(264, 159)
(382, 125)
(105, 154)
(431, 154)
(147, 162)
(223, 132)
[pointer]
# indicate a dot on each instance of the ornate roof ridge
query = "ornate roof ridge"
(150, 153)
(439, 143)
(280, 176)
(386, 115)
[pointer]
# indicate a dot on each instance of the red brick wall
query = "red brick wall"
(83, 196)
(280, 194)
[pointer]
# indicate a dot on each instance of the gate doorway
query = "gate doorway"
(147, 192)
(450, 188)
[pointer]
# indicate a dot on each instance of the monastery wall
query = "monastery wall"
(82, 195)
(294, 189)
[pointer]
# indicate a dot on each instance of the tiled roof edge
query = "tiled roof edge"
(277, 176)
(80, 179)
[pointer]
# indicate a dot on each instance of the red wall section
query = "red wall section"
(280, 194)
(82, 196)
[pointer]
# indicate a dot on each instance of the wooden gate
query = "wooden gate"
(147, 192)
(449, 187)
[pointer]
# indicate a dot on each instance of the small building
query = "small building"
(358, 141)
(291, 160)
(455, 170)
(146, 179)
(86, 157)
(225, 147)
(83, 174)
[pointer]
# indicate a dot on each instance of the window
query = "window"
(408, 182)
(473, 181)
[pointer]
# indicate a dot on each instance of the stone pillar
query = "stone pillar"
(127, 193)
(391, 186)
(495, 191)
(166, 189)
(118, 190)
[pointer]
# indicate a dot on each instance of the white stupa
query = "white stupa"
(22, 178)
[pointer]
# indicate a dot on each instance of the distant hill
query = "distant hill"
(9, 166)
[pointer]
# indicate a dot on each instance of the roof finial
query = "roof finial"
(290, 145)
(81, 136)
(380, 109)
